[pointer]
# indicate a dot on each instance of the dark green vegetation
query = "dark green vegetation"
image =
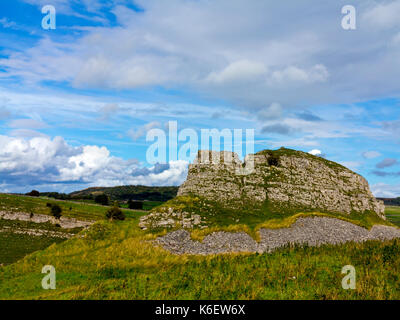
(102, 199)
(391, 201)
(115, 213)
(14, 246)
(114, 261)
(56, 211)
(276, 154)
(135, 205)
(124, 193)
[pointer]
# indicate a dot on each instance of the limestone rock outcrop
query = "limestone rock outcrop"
(282, 180)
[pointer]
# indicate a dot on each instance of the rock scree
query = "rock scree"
(312, 231)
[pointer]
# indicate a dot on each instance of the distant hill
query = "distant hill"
(390, 201)
(129, 192)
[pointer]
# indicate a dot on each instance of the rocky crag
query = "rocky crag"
(284, 180)
(279, 181)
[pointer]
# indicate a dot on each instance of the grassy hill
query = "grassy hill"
(115, 260)
(14, 235)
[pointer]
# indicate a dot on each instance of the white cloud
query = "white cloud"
(385, 190)
(142, 131)
(215, 48)
(317, 73)
(27, 124)
(7, 23)
(243, 70)
(352, 165)
(383, 15)
(315, 152)
(371, 154)
(41, 161)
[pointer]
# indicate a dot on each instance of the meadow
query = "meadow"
(393, 214)
(116, 260)
(71, 209)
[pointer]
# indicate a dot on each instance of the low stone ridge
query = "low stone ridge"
(313, 231)
(283, 180)
(64, 222)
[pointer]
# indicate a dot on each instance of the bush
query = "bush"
(115, 213)
(48, 205)
(33, 193)
(135, 205)
(56, 211)
(102, 199)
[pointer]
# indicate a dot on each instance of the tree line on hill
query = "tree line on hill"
(390, 201)
(122, 193)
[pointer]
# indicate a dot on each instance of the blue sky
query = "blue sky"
(76, 102)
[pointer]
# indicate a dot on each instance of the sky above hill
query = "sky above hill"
(77, 101)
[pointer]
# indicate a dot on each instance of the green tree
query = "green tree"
(56, 211)
(135, 205)
(102, 199)
(33, 193)
(115, 213)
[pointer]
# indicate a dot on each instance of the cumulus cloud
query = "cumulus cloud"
(315, 152)
(42, 160)
(215, 48)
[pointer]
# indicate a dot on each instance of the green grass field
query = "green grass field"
(393, 215)
(72, 209)
(115, 260)
(15, 246)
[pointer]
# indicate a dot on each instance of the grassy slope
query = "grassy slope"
(249, 219)
(114, 261)
(15, 246)
(393, 215)
(73, 209)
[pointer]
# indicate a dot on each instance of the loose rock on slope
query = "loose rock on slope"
(313, 231)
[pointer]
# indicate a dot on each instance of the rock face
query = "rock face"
(283, 180)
